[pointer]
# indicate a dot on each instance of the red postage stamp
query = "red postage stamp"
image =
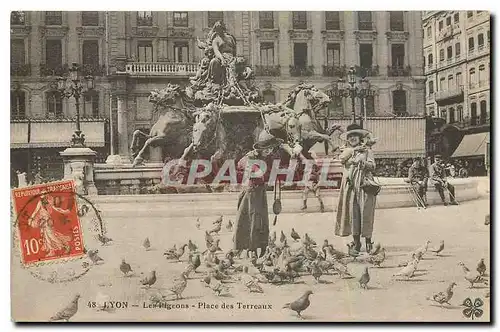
(47, 221)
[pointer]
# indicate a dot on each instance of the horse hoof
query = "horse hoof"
(138, 162)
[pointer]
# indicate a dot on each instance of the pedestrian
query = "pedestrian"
(314, 187)
(21, 179)
(417, 177)
(438, 178)
(358, 188)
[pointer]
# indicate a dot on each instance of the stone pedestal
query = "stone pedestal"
(79, 166)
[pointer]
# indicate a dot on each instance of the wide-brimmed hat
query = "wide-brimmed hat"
(354, 128)
(267, 141)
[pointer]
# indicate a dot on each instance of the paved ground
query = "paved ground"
(399, 230)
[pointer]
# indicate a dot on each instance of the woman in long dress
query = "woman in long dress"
(224, 49)
(358, 190)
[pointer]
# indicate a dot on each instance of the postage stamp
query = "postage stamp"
(47, 222)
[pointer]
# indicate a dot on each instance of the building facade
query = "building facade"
(132, 53)
(457, 68)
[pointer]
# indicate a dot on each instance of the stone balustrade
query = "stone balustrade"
(161, 69)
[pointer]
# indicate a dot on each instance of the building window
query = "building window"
(54, 104)
(370, 105)
(452, 115)
(431, 88)
(91, 105)
(440, 25)
(53, 53)
(444, 114)
(471, 44)
(431, 111)
(442, 84)
(472, 77)
(181, 52)
(17, 18)
(457, 49)
(456, 18)
(365, 21)
(144, 19)
(267, 54)
(53, 18)
(473, 113)
(214, 17)
(458, 79)
(483, 115)
(398, 55)
(266, 20)
(333, 55)
(366, 55)
(180, 19)
(399, 102)
(145, 51)
(332, 20)
(460, 113)
(396, 21)
(441, 55)
(480, 41)
(448, 21)
(17, 104)
(269, 96)
(90, 53)
(430, 60)
(469, 14)
(429, 32)
(299, 20)
(300, 55)
(482, 75)
(488, 35)
(449, 52)
(17, 52)
(450, 82)
(90, 18)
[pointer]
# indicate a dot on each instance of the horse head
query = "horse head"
(204, 126)
(171, 96)
(308, 97)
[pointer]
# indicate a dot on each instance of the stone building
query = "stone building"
(132, 53)
(457, 69)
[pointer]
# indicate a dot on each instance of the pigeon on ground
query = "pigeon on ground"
(216, 229)
(94, 257)
(146, 244)
(176, 255)
(125, 267)
(192, 247)
(481, 267)
(229, 226)
(273, 237)
(439, 248)
(422, 250)
(208, 239)
(364, 279)
(250, 282)
(308, 240)
(282, 237)
(408, 270)
(214, 247)
(104, 239)
(444, 297)
(325, 246)
(149, 280)
(301, 304)
(341, 269)
(218, 220)
(377, 259)
(179, 286)
(294, 235)
(316, 271)
(198, 224)
(471, 277)
(69, 311)
(375, 250)
(215, 285)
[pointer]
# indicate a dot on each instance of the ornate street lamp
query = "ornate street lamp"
(74, 86)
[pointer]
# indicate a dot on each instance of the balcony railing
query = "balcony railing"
(47, 70)
(468, 122)
(94, 69)
(301, 71)
(268, 70)
(450, 93)
(334, 71)
(398, 71)
(161, 69)
(367, 71)
(17, 69)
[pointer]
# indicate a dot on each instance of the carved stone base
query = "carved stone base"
(79, 166)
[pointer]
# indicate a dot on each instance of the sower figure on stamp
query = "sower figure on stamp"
(358, 189)
(313, 186)
(438, 178)
(417, 177)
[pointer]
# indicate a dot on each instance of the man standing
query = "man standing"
(417, 177)
(313, 186)
(438, 178)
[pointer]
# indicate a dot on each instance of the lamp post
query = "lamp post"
(74, 86)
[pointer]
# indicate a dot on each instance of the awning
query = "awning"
(472, 145)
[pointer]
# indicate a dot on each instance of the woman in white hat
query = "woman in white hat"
(358, 189)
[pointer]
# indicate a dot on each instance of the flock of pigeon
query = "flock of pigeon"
(285, 260)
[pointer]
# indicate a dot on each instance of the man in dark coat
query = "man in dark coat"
(417, 177)
(438, 178)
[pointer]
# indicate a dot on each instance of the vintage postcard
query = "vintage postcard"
(250, 166)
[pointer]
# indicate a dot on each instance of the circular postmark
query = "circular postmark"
(55, 231)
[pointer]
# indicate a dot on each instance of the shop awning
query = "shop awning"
(472, 145)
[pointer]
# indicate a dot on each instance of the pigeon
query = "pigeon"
(191, 246)
(198, 225)
(273, 237)
(316, 271)
(377, 259)
(229, 226)
(218, 220)
(68, 311)
(422, 250)
(375, 249)
(214, 247)
(325, 246)
(301, 304)
(149, 280)
(282, 237)
(444, 297)
(250, 282)
(125, 267)
(410, 259)
(104, 239)
(179, 286)
(487, 219)
(216, 229)
(470, 276)
(408, 270)
(308, 240)
(146, 244)
(341, 269)
(94, 257)
(333, 254)
(208, 239)
(481, 267)
(294, 235)
(176, 255)
(196, 262)
(364, 279)
(216, 286)
(439, 249)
